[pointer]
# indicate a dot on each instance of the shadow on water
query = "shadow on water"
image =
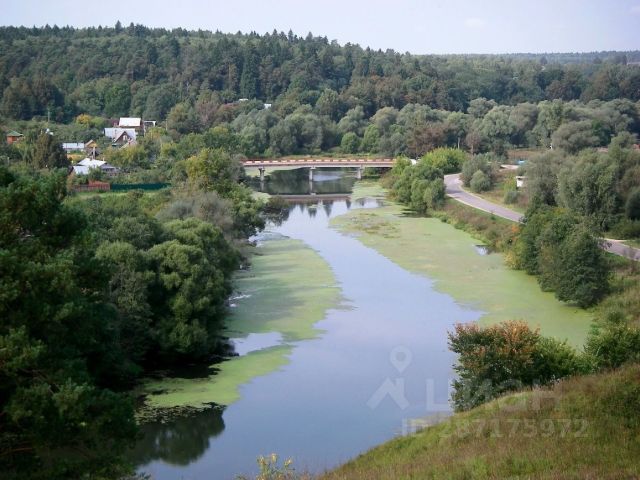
(178, 441)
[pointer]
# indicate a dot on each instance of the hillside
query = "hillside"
(584, 427)
(141, 71)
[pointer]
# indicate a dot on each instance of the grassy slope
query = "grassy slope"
(483, 282)
(599, 415)
(283, 298)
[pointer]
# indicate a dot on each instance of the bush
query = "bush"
(632, 208)
(511, 197)
(625, 229)
(484, 162)
(612, 345)
(504, 358)
(480, 182)
(448, 160)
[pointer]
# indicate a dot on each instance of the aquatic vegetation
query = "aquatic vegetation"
(438, 250)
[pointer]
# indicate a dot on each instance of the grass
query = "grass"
(583, 427)
(283, 297)
(497, 192)
(439, 251)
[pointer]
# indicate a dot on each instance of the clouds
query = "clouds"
(474, 22)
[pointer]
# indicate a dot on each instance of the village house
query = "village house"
(73, 147)
(121, 136)
(13, 137)
(91, 148)
(83, 167)
(130, 122)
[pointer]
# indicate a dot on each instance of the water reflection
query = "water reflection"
(178, 441)
(325, 181)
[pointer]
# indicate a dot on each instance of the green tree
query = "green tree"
(48, 153)
(350, 143)
(58, 342)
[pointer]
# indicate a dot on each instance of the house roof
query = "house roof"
(13, 133)
(115, 133)
(128, 122)
(91, 162)
(73, 146)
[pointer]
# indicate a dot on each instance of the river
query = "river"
(379, 362)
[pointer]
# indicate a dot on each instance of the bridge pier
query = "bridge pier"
(311, 169)
(261, 170)
(359, 171)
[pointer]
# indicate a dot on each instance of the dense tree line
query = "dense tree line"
(147, 72)
(95, 292)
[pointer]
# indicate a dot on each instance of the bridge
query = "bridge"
(312, 163)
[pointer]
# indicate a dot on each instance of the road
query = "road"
(454, 190)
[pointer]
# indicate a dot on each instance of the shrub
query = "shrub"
(614, 344)
(504, 358)
(448, 160)
(511, 197)
(632, 208)
(480, 182)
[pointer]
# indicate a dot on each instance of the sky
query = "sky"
(420, 27)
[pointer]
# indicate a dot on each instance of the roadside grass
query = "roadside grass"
(497, 192)
(281, 296)
(583, 427)
(448, 255)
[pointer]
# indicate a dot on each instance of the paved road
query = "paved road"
(454, 190)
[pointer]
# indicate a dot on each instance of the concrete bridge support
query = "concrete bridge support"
(311, 169)
(261, 170)
(359, 171)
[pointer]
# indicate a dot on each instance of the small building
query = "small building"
(147, 124)
(83, 167)
(130, 122)
(91, 148)
(121, 136)
(520, 181)
(13, 137)
(73, 147)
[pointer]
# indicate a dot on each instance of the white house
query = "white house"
(84, 166)
(520, 181)
(130, 122)
(72, 147)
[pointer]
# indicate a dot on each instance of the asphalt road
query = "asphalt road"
(454, 190)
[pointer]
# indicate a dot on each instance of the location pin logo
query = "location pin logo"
(400, 357)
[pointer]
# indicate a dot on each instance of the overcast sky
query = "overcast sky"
(417, 26)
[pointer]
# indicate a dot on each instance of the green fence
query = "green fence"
(123, 187)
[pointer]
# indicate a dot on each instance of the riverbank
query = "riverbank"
(448, 255)
(590, 424)
(277, 295)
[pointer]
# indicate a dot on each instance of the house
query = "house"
(91, 148)
(83, 167)
(121, 136)
(130, 122)
(73, 147)
(13, 137)
(520, 181)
